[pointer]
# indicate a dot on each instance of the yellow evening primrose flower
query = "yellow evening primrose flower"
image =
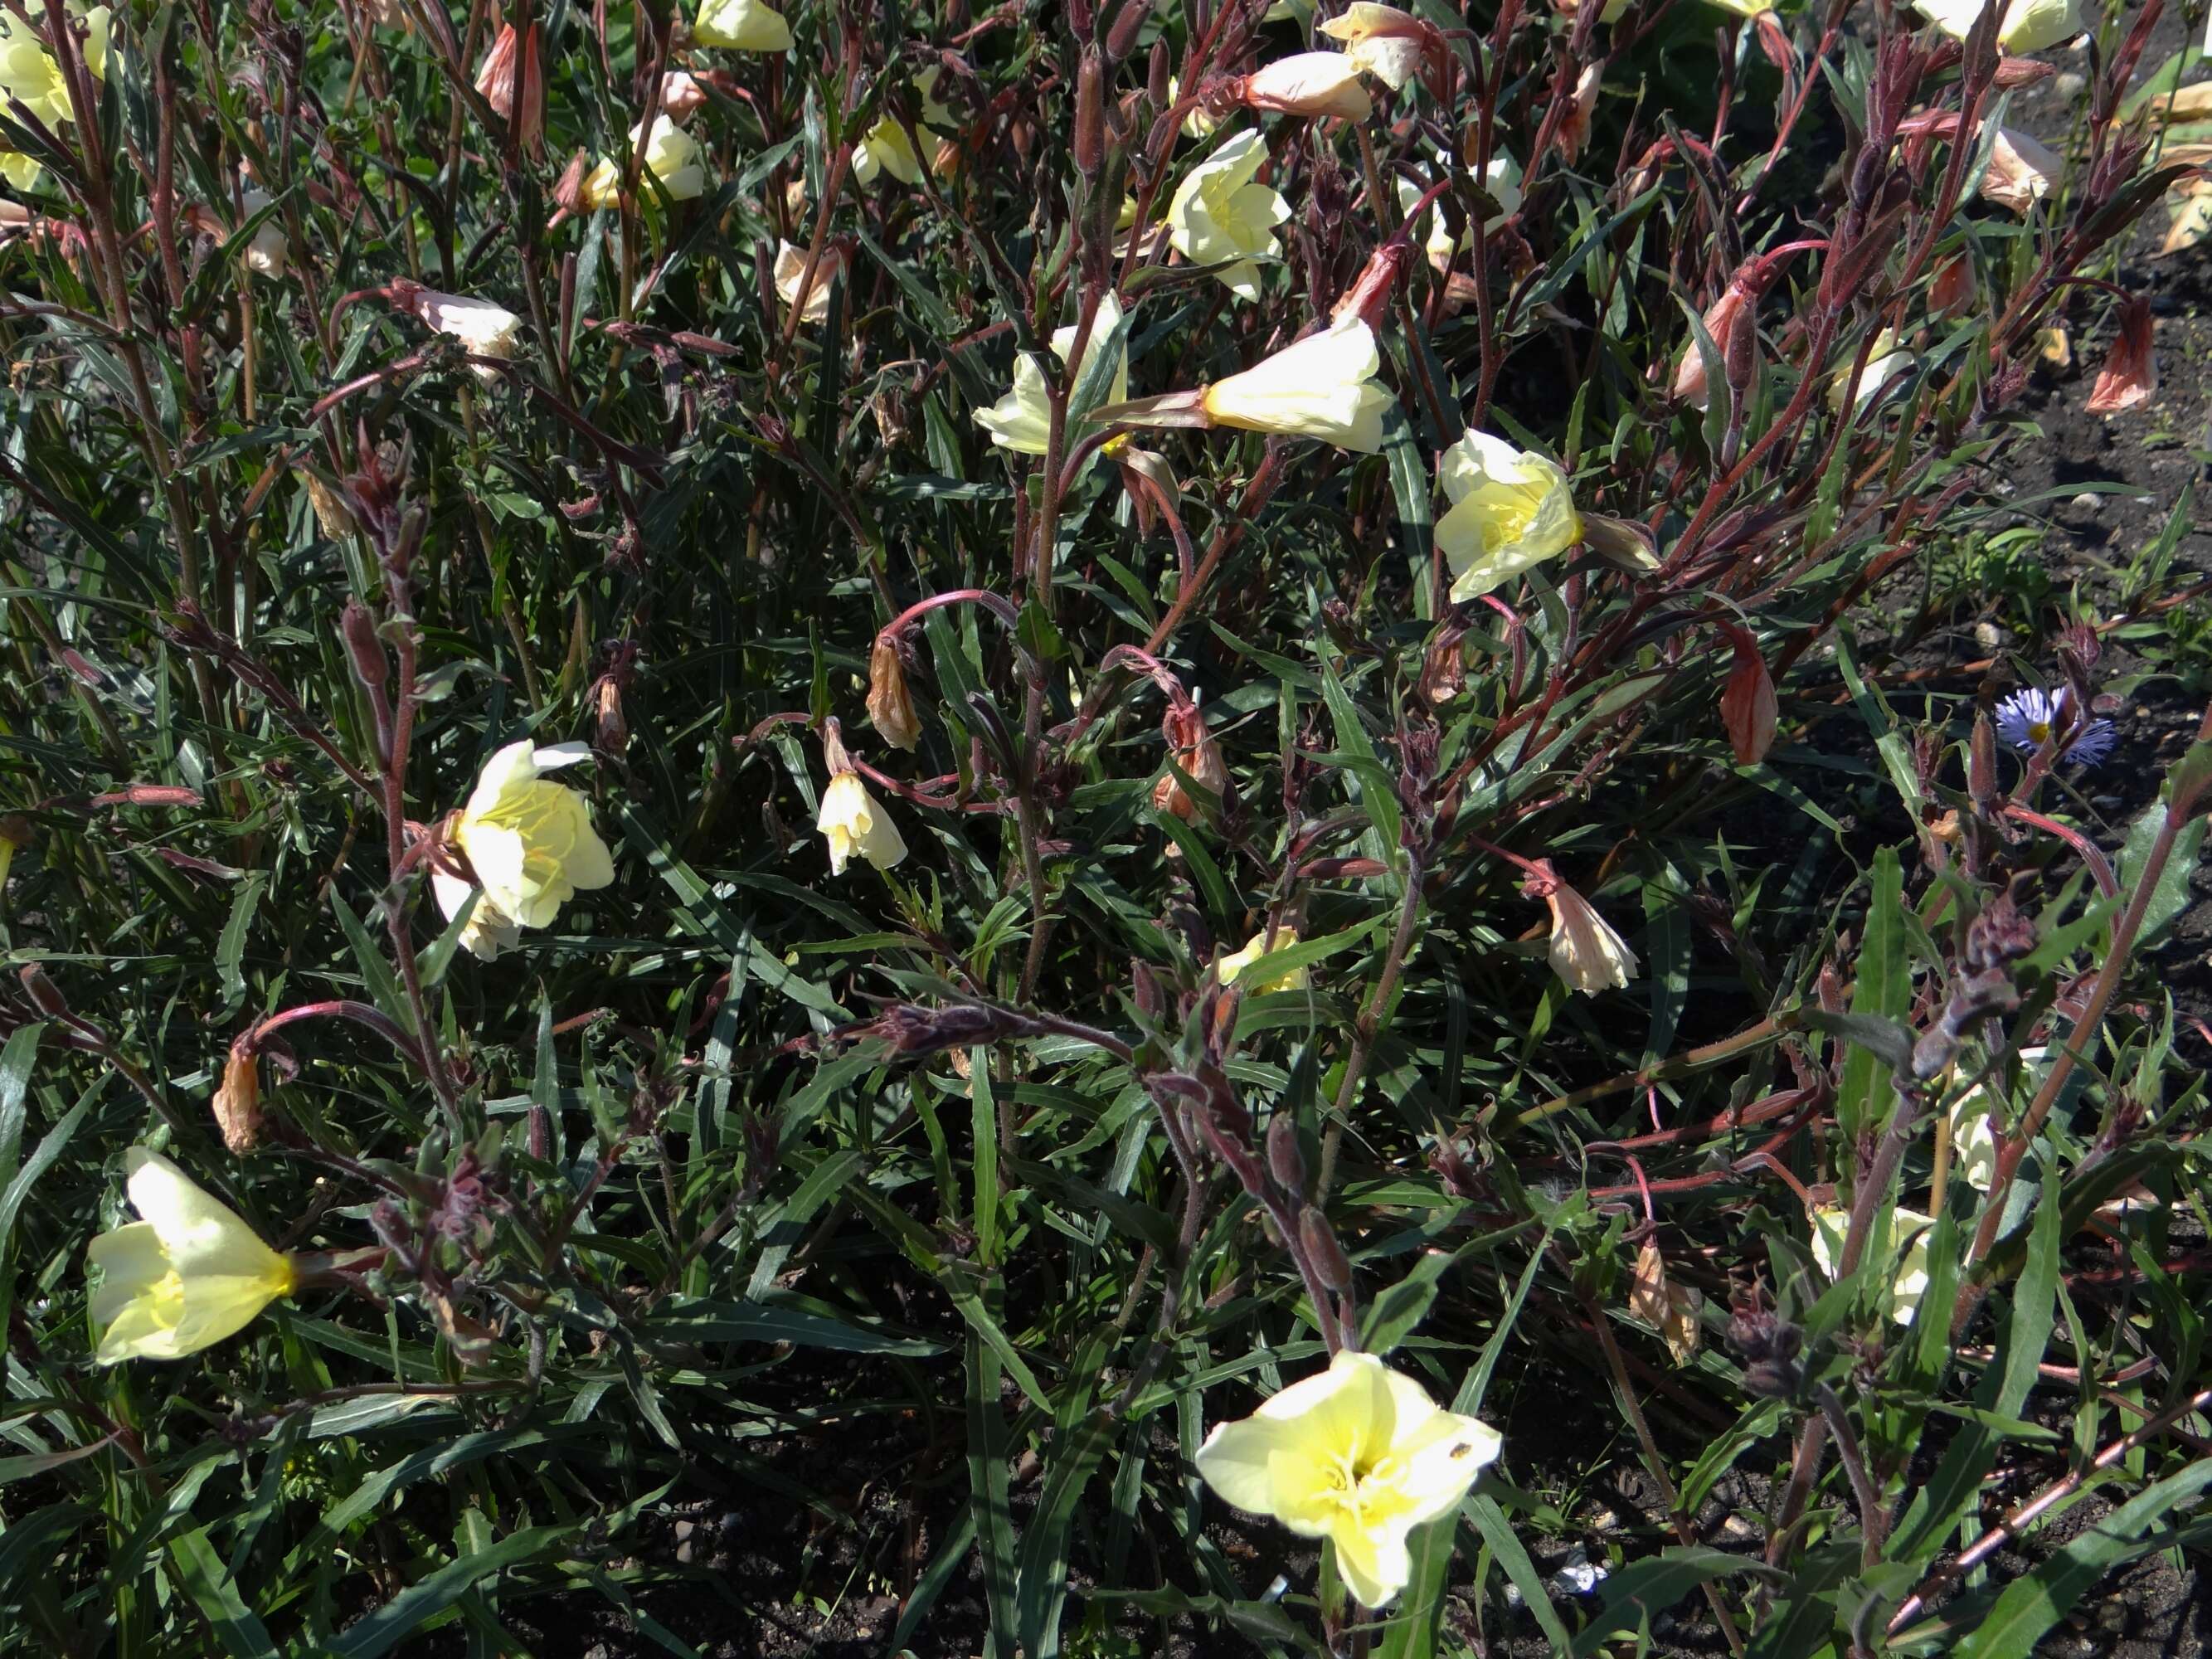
(1586, 951)
(851, 822)
(1323, 386)
(1381, 40)
(529, 840)
(189, 1274)
(30, 76)
(672, 156)
(885, 149)
(1218, 213)
(1258, 945)
(1908, 1234)
(740, 26)
(1973, 1142)
(2028, 26)
(1358, 1454)
(483, 328)
(1501, 178)
(1512, 510)
(1885, 366)
(1022, 420)
(489, 930)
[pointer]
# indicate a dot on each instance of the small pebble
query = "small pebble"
(2070, 84)
(1988, 635)
(2085, 502)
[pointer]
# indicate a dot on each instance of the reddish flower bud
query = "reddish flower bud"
(1747, 705)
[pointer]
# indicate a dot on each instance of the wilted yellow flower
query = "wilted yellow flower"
(1908, 1234)
(1323, 386)
(886, 150)
(2020, 173)
(890, 704)
(186, 1276)
(1258, 945)
(1022, 420)
(1219, 213)
(1318, 84)
(529, 840)
(740, 26)
(1586, 952)
(791, 269)
(1358, 1454)
(2028, 26)
(1512, 510)
(672, 156)
(852, 822)
(1380, 40)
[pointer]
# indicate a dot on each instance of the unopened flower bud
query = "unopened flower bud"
(1090, 114)
(1316, 83)
(363, 648)
(1285, 1161)
(1122, 38)
(1322, 1249)
(1159, 76)
(237, 1103)
(45, 994)
(890, 706)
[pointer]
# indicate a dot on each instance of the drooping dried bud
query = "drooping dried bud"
(1369, 296)
(363, 648)
(1575, 127)
(890, 706)
(495, 75)
(1953, 291)
(568, 191)
(1316, 83)
(1090, 114)
(237, 1103)
(682, 95)
(1285, 1163)
(1196, 753)
(1720, 323)
(1747, 704)
(332, 517)
(1443, 669)
(611, 736)
(2130, 376)
(512, 80)
(1328, 1256)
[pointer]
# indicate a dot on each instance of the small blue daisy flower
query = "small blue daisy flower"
(2025, 720)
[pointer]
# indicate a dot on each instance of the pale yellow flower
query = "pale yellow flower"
(1512, 510)
(489, 931)
(529, 840)
(1501, 178)
(672, 156)
(852, 822)
(268, 251)
(1258, 945)
(1022, 420)
(1908, 1234)
(1586, 952)
(485, 330)
(1379, 40)
(189, 1274)
(1746, 8)
(1317, 83)
(1884, 367)
(1973, 1142)
(791, 269)
(2028, 26)
(1198, 124)
(740, 26)
(886, 150)
(1358, 1454)
(1218, 213)
(30, 76)
(1323, 386)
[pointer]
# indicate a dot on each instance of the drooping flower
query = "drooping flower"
(1022, 420)
(740, 26)
(1219, 213)
(269, 250)
(671, 156)
(1380, 40)
(791, 270)
(1232, 965)
(1885, 367)
(1358, 1454)
(2020, 173)
(529, 840)
(1908, 1236)
(890, 704)
(1512, 510)
(2028, 26)
(887, 148)
(1585, 951)
(2129, 377)
(1197, 755)
(484, 329)
(2028, 718)
(186, 1276)
(1315, 84)
(852, 822)
(1323, 386)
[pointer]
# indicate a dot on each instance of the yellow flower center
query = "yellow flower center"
(2039, 731)
(1510, 512)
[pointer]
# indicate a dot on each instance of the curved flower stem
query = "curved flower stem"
(2099, 867)
(246, 1045)
(995, 604)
